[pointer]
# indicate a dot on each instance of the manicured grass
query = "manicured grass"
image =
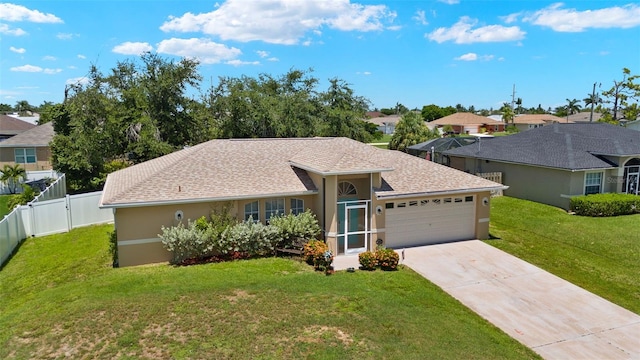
(4, 209)
(60, 299)
(601, 255)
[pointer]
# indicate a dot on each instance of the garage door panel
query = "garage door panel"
(430, 224)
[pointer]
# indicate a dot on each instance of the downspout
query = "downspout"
(324, 206)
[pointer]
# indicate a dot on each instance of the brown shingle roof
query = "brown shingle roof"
(538, 119)
(13, 126)
(463, 118)
(251, 168)
(38, 136)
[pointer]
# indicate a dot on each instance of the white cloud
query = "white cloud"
(281, 21)
(65, 36)
(450, 2)
(420, 17)
(262, 54)
(132, 48)
(83, 80)
(462, 33)
(366, 73)
(468, 57)
(12, 12)
(52, 71)
(273, 59)
(241, 63)
(18, 50)
(511, 18)
(572, 20)
(6, 30)
(49, 58)
(26, 68)
(34, 69)
(474, 57)
(205, 50)
(80, 56)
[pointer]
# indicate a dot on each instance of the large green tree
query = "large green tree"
(621, 95)
(410, 130)
(136, 112)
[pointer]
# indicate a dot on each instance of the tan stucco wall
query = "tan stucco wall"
(483, 214)
(138, 227)
(43, 158)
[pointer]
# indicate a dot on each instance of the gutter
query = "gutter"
(445, 192)
(201, 200)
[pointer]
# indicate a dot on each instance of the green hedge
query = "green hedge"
(606, 204)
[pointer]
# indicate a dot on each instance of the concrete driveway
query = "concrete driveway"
(555, 318)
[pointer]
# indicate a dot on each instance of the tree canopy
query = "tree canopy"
(410, 130)
(143, 109)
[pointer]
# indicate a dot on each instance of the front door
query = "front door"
(632, 183)
(352, 227)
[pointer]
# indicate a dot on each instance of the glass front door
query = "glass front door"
(352, 227)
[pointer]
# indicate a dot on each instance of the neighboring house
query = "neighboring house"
(10, 126)
(361, 195)
(531, 121)
(31, 118)
(432, 149)
(634, 125)
(553, 163)
(386, 124)
(584, 116)
(467, 123)
(29, 149)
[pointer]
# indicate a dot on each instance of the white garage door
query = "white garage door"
(430, 221)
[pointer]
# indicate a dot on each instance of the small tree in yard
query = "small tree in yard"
(12, 176)
(410, 130)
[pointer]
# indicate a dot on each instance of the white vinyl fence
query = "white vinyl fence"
(50, 217)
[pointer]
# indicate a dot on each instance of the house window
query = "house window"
(25, 156)
(297, 206)
(251, 211)
(388, 206)
(273, 207)
(592, 183)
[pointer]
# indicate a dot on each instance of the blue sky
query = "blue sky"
(416, 53)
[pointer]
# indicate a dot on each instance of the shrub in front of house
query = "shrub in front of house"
(250, 238)
(368, 260)
(317, 253)
(600, 205)
(387, 259)
(291, 227)
(185, 242)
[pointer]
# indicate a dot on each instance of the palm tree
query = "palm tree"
(410, 130)
(507, 113)
(23, 107)
(573, 107)
(592, 100)
(12, 176)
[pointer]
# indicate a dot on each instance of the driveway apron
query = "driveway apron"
(555, 318)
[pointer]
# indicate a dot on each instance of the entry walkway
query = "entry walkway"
(555, 318)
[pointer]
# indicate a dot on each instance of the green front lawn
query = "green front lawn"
(601, 255)
(60, 299)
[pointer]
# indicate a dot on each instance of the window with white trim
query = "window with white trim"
(25, 156)
(297, 206)
(252, 211)
(592, 183)
(273, 207)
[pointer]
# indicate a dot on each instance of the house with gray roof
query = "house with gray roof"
(553, 163)
(29, 148)
(10, 126)
(361, 195)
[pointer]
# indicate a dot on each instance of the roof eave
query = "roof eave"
(534, 165)
(102, 205)
(443, 192)
(339, 172)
